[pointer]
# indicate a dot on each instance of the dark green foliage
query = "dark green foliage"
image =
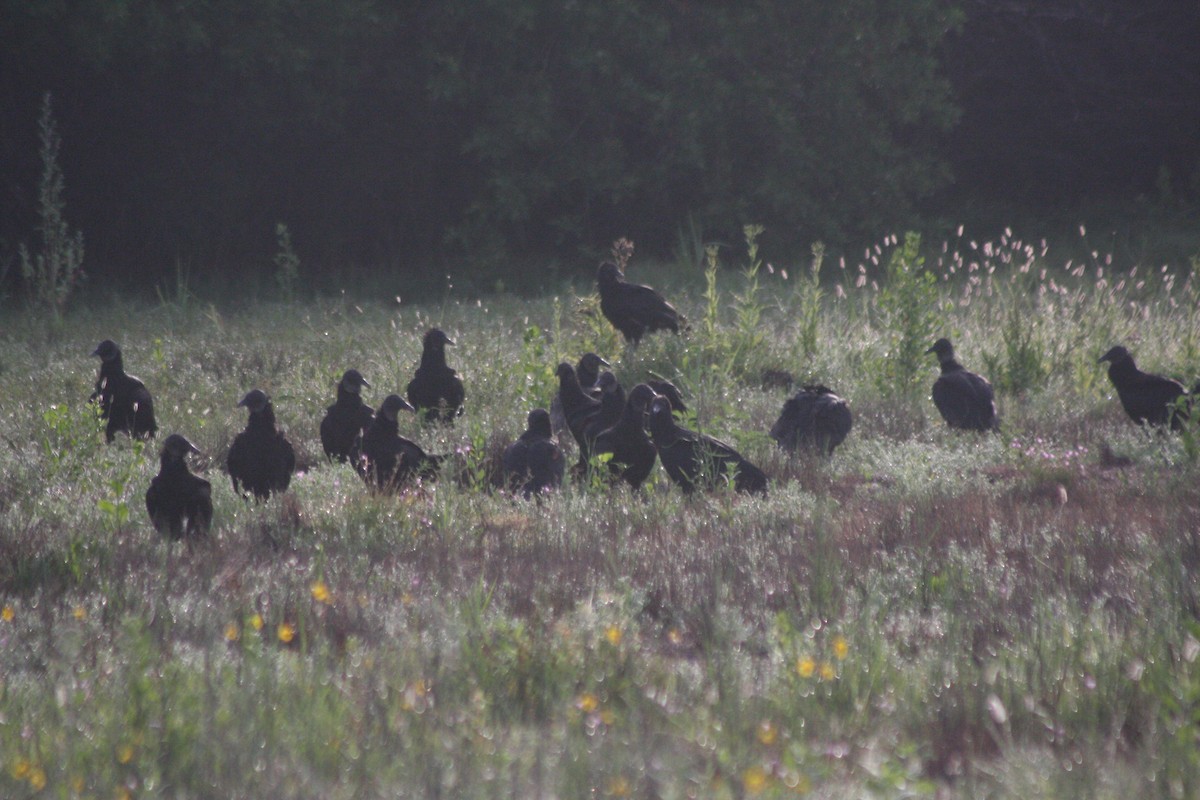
(531, 125)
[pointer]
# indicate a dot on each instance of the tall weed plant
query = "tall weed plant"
(53, 271)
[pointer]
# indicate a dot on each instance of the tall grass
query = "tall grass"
(924, 613)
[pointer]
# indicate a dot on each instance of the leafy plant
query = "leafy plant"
(52, 273)
(908, 309)
(808, 312)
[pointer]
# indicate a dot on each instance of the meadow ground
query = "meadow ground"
(924, 614)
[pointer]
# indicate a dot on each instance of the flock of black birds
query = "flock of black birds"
(620, 435)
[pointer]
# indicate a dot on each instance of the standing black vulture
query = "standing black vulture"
(633, 453)
(668, 390)
(261, 459)
(634, 310)
(578, 407)
(533, 463)
(179, 503)
(964, 399)
(386, 458)
(1146, 398)
(124, 400)
(587, 371)
(436, 391)
(814, 418)
(347, 418)
(692, 458)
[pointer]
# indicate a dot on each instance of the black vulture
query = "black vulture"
(179, 503)
(347, 418)
(633, 453)
(612, 405)
(587, 371)
(124, 400)
(1146, 398)
(578, 407)
(533, 463)
(261, 459)
(814, 418)
(670, 391)
(964, 399)
(634, 310)
(692, 458)
(388, 459)
(436, 391)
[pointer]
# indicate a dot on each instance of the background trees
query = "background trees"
(393, 133)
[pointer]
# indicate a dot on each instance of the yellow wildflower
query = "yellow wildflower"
(256, 622)
(7, 614)
(614, 635)
(286, 632)
(841, 648)
(20, 769)
(125, 754)
(674, 636)
(618, 787)
(79, 612)
(827, 671)
(37, 779)
(755, 780)
(805, 666)
(320, 592)
(587, 702)
(231, 632)
(767, 732)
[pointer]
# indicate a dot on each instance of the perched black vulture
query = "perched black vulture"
(1146, 397)
(692, 458)
(814, 418)
(179, 503)
(386, 458)
(587, 371)
(436, 391)
(634, 310)
(261, 459)
(633, 453)
(533, 463)
(964, 399)
(347, 418)
(578, 407)
(124, 400)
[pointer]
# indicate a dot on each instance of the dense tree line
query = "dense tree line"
(393, 132)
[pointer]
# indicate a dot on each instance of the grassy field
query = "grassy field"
(924, 614)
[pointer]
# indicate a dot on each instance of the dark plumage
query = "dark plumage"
(386, 458)
(692, 458)
(612, 405)
(124, 400)
(670, 391)
(815, 418)
(634, 310)
(587, 371)
(347, 418)
(179, 503)
(633, 453)
(577, 406)
(964, 399)
(436, 391)
(261, 459)
(533, 463)
(1146, 397)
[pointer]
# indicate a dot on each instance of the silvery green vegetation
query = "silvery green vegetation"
(924, 612)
